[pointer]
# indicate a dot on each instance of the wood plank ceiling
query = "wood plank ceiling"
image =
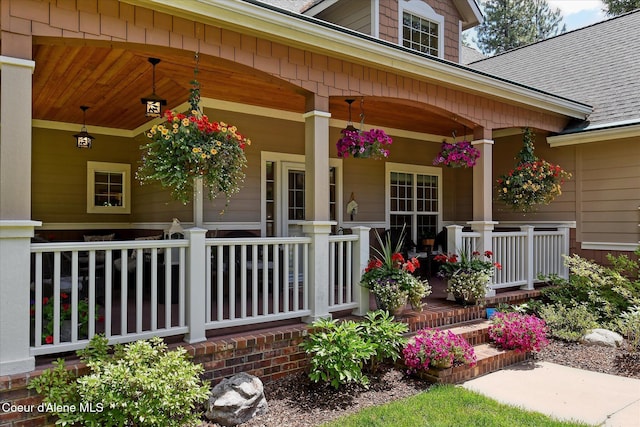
(111, 81)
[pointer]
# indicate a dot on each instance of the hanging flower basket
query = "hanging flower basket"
(532, 182)
(457, 155)
(189, 146)
(369, 144)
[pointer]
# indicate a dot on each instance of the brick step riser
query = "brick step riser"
(484, 366)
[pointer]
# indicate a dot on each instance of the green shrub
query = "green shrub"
(339, 352)
(141, 384)
(629, 326)
(530, 307)
(569, 323)
(343, 350)
(605, 291)
(380, 329)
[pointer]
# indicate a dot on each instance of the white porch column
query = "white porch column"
(360, 260)
(15, 241)
(16, 227)
(195, 289)
(454, 238)
(318, 268)
(485, 228)
(198, 202)
(483, 181)
(15, 138)
(316, 151)
(528, 256)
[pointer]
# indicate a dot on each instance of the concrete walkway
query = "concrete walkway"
(565, 393)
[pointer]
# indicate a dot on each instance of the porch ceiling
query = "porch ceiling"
(112, 80)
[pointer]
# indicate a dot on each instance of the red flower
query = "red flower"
(488, 254)
(476, 253)
(397, 257)
(497, 265)
(452, 258)
(101, 319)
(64, 295)
(440, 258)
(410, 267)
(415, 262)
(66, 307)
(49, 339)
(45, 300)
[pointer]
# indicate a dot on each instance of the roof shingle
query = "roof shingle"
(598, 65)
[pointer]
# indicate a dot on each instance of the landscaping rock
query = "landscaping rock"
(236, 400)
(603, 337)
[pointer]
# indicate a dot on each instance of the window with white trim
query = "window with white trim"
(421, 28)
(108, 188)
(414, 197)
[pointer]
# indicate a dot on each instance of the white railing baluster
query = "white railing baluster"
(243, 281)
(332, 273)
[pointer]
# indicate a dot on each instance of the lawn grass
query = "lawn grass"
(447, 406)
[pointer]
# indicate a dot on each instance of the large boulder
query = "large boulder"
(603, 337)
(236, 400)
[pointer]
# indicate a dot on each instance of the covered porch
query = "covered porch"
(288, 94)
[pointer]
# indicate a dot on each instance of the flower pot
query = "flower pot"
(441, 364)
(395, 310)
(491, 312)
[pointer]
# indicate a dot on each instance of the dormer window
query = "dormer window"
(421, 28)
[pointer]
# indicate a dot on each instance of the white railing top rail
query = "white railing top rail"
(343, 238)
(220, 241)
(111, 245)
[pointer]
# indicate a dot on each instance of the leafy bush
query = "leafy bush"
(141, 384)
(606, 291)
(343, 350)
(569, 323)
(433, 348)
(520, 332)
(532, 306)
(385, 334)
(629, 326)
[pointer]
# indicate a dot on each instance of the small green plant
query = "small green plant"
(629, 326)
(339, 352)
(568, 323)
(141, 384)
(380, 329)
(530, 307)
(344, 350)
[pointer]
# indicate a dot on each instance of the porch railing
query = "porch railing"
(523, 254)
(130, 290)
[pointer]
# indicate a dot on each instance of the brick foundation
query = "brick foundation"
(267, 355)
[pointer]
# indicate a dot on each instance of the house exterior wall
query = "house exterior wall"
(609, 198)
(389, 24)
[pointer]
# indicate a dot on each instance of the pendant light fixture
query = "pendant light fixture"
(83, 139)
(153, 103)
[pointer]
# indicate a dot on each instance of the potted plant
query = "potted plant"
(189, 146)
(389, 276)
(363, 144)
(436, 349)
(467, 276)
(48, 309)
(457, 155)
(519, 332)
(532, 182)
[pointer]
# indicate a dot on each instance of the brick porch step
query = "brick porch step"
(489, 358)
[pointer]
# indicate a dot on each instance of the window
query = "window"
(108, 188)
(414, 194)
(421, 29)
(283, 204)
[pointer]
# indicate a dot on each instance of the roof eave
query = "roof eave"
(470, 12)
(596, 135)
(276, 25)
